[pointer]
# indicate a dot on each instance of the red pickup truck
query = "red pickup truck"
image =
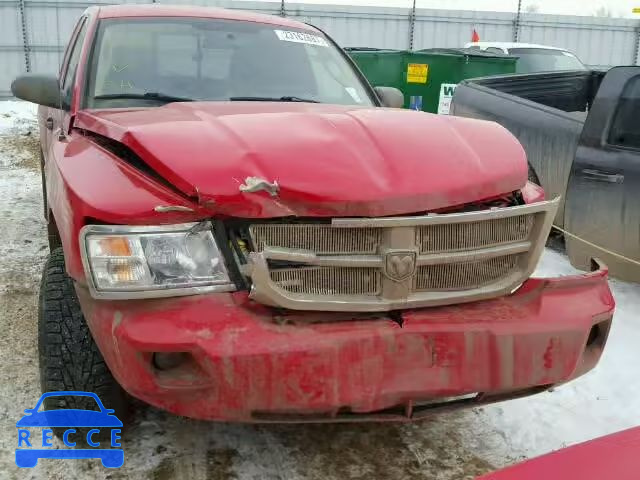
(240, 230)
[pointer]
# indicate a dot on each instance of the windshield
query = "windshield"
(544, 60)
(153, 61)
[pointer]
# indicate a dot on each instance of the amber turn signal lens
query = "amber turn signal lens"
(115, 246)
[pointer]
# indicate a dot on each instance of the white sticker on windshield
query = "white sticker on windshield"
(354, 94)
(301, 37)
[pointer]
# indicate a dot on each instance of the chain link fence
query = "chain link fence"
(33, 33)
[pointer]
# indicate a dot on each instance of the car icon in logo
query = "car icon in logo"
(68, 419)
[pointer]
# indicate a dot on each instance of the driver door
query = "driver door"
(603, 195)
(56, 120)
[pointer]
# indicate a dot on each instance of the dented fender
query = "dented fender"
(87, 183)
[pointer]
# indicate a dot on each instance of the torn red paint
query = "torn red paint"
(548, 354)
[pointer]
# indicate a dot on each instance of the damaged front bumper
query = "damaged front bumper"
(234, 359)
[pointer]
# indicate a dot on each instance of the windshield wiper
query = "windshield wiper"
(286, 98)
(161, 97)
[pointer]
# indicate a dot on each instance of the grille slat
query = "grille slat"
(321, 239)
(329, 280)
(453, 237)
(463, 276)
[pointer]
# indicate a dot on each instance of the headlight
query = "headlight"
(145, 261)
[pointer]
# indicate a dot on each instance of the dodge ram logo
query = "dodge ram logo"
(399, 266)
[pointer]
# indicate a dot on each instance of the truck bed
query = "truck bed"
(545, 111)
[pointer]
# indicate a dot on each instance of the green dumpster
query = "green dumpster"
(428, 78)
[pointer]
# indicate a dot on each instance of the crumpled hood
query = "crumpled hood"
(327, 160)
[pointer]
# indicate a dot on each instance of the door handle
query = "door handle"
(602, 176)
(49, 123)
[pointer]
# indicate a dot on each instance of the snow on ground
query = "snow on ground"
(159, 446)
(604, 401)
(17, 117)
(23, 245)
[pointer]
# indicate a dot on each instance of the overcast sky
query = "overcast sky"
(617, 8)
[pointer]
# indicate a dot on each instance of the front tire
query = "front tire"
(69, 357)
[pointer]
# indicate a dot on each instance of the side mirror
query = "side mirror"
(390, 97)
(40, 89)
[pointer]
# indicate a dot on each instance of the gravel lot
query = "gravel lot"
(158, 446)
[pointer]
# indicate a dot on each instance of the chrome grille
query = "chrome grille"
(452, 237)
(379, 264)
(463, 276)
(328, 280)
(321, 239)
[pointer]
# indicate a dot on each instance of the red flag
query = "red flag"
(474, 36)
